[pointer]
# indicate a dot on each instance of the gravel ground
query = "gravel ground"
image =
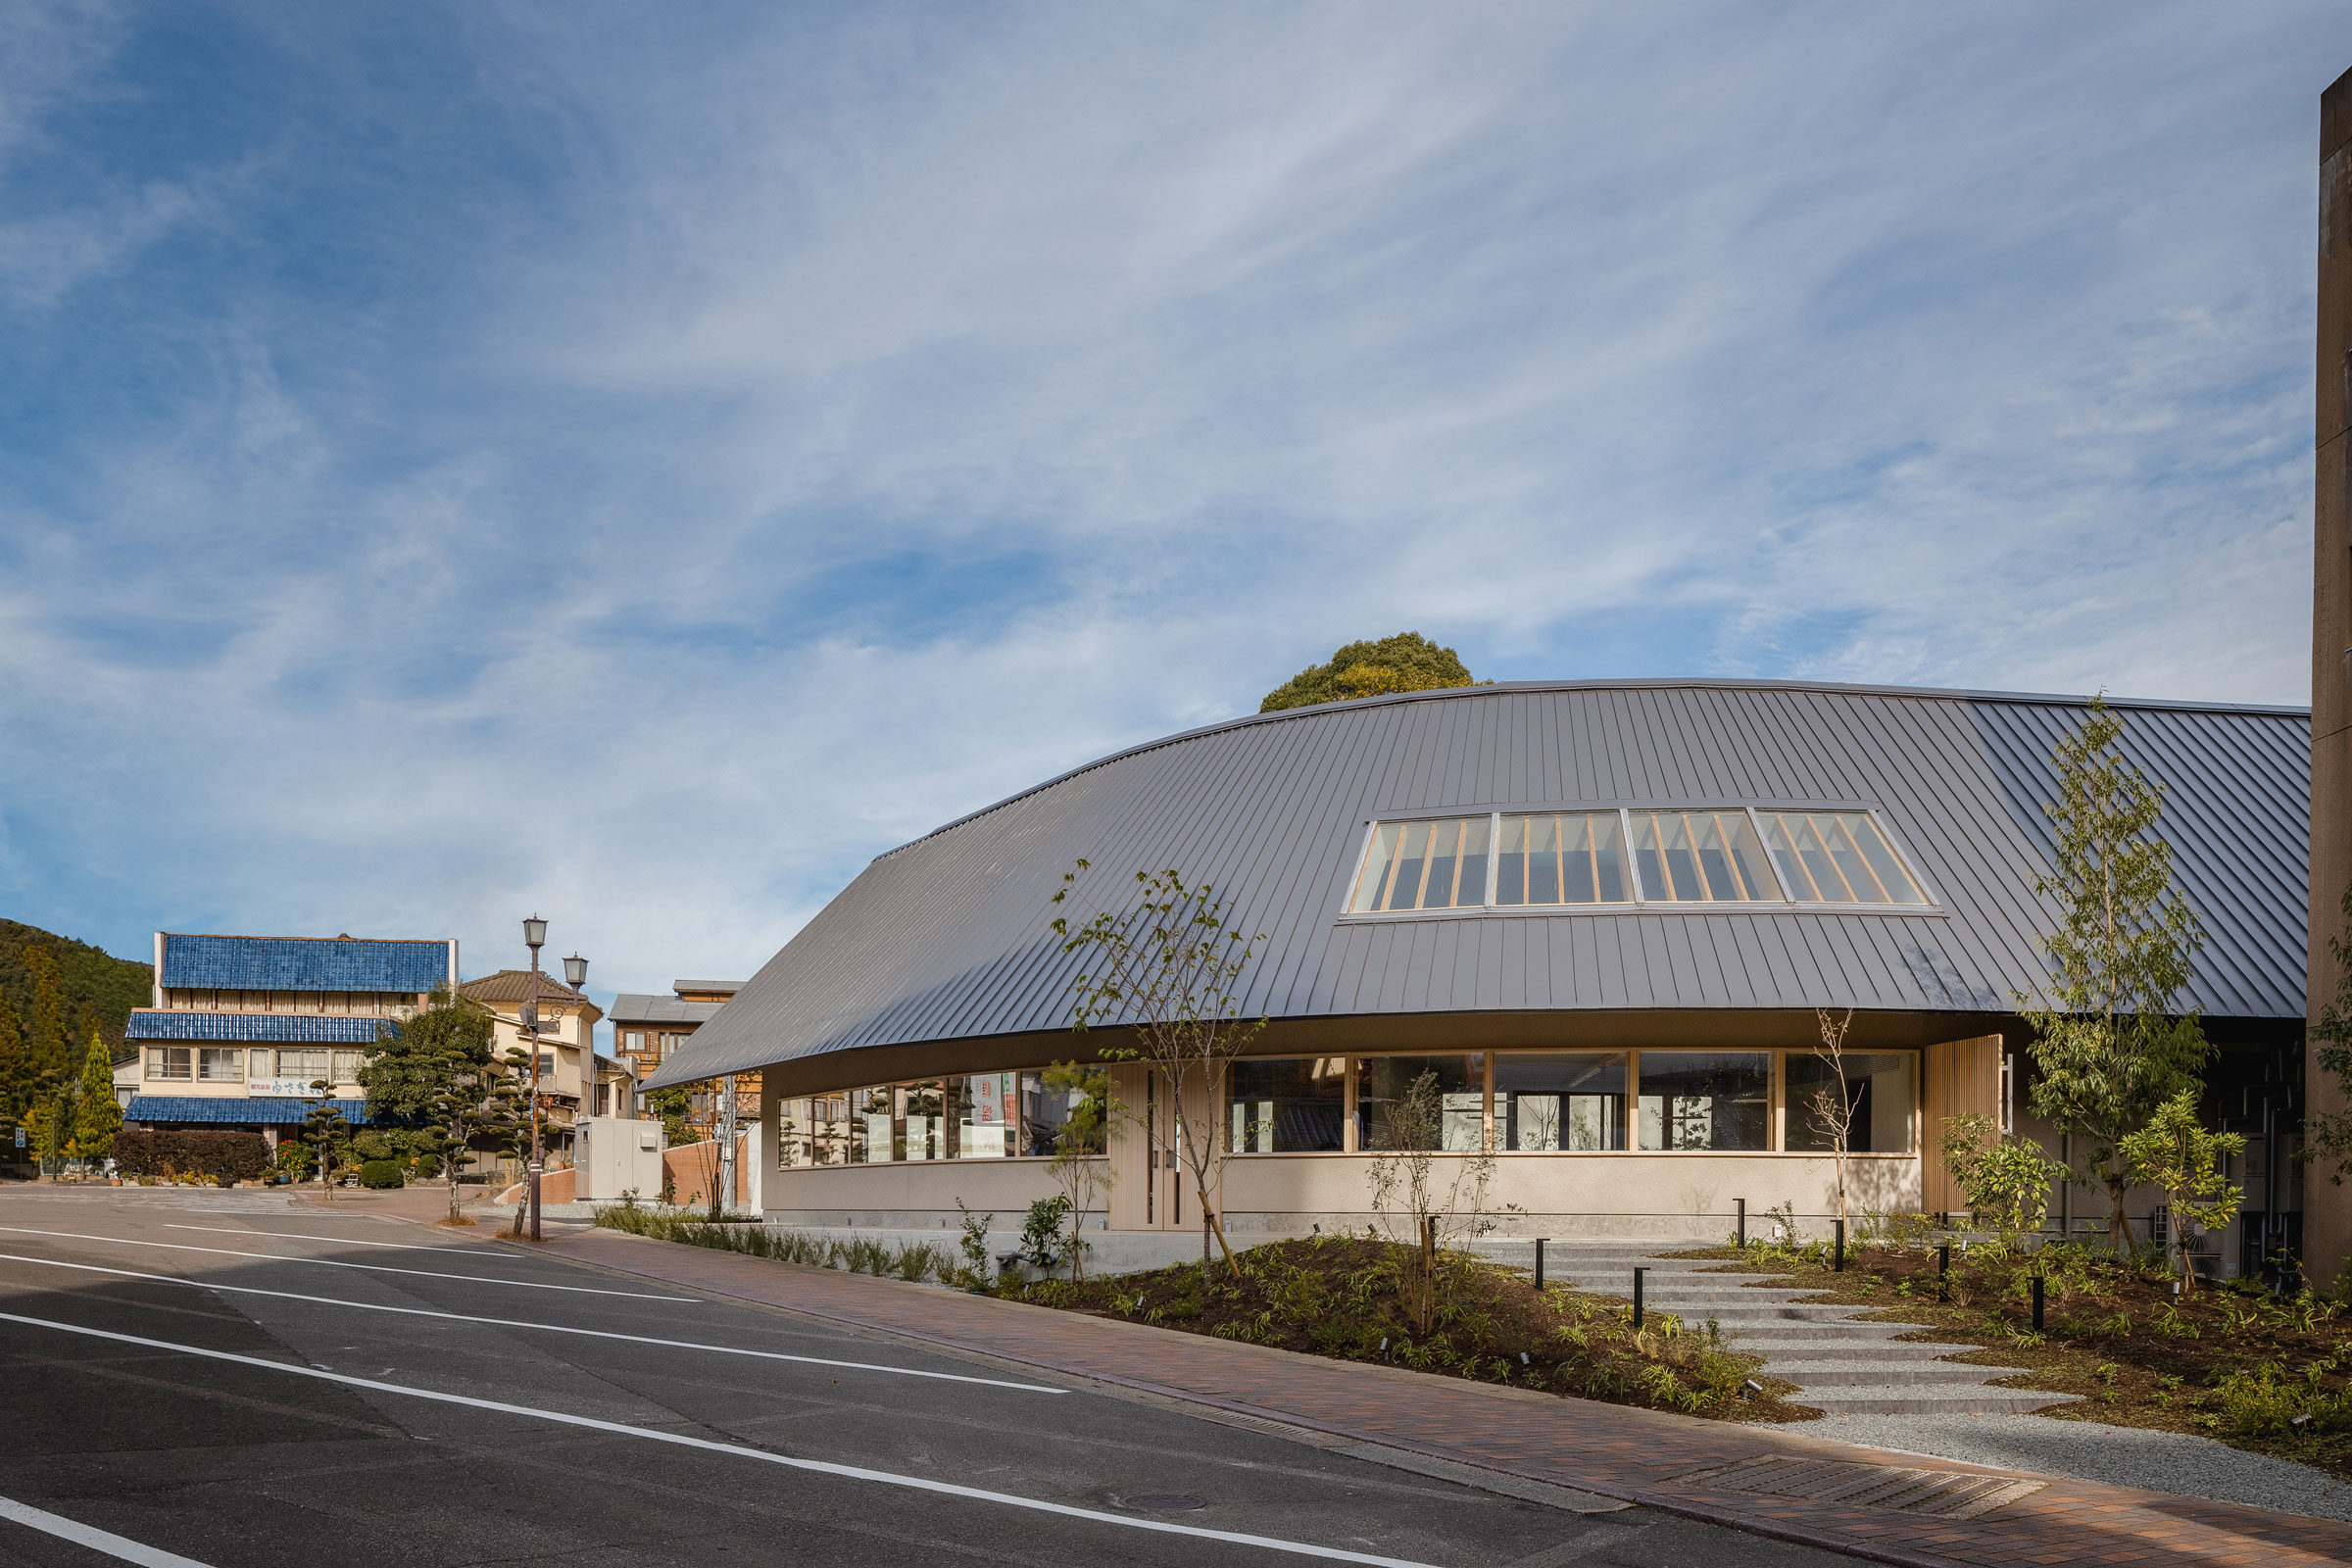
(2124, 1456)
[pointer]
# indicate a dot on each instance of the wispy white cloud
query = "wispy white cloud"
(640, 471)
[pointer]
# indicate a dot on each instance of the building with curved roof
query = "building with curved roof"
(1605, 914)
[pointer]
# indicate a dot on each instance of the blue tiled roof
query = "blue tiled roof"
(303, 963)
(235, 1110)
(307, 1028)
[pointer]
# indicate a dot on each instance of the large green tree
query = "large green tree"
(2110, 1044)
(1405, 663)
(48, 1047)
(433, 1077)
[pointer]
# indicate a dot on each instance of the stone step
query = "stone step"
(1844, 1349)
(1839, 1374)
(1749, 1335)
(1897, 1399)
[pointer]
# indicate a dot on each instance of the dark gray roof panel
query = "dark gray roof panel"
(946, 937)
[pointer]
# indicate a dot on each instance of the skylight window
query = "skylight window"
(1562, 858)
(1634, 857)
(1701, 858)
(1837, 857)
(1438, 864)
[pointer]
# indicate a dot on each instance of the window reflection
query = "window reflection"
(1572, 1100)
(1880, 1090)
(1561, 858)
(1837, 858)
(1438, 864)
(922, 1130)
(1287, 1106)
(1701, 858)
(1706, 1100)
(1384, 1122)
(987, 1116)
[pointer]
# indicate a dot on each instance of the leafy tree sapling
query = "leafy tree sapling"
(1078, 1166)
(2179, 1158)
(1169, 970)
(1404, 1191)
(2006, 1180)
(2109, 1047)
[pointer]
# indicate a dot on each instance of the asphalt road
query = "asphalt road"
(227, 1381)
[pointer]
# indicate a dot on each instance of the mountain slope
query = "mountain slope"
(93, 985)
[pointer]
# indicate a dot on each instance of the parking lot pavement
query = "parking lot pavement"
(225, 1379)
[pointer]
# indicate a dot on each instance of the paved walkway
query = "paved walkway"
(1641, 1456)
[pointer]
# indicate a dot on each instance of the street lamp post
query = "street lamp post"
(534, 937)
(575, 975)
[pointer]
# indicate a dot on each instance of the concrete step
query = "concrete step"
(1846, 1350)
(1928, 1399)
(1776, 1331)
(1858, 1374)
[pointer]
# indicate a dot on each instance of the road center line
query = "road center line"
(95, 1538)
(351, 1241)
(544, 1328)
(711, 1446)
(329, 1262)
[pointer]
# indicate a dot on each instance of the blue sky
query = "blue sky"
(638, 463)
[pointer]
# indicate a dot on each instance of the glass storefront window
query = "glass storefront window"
(1704, 1100)
(829, 1130)
(922, 1122)
(871, 1140)
(988, 1116)
(1564, 1100)
(1880, 1085)
(793, 1134)
(1381, 1083)
(1043, 1112)
(1292, 1105)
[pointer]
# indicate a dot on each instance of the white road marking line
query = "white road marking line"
(96, 1540)
(544, 1328)
(353, 1241)
(710, 1446)
(329, 1262)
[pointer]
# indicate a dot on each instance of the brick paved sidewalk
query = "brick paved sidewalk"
(1641, 1456)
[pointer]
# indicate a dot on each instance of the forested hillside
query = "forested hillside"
(44, 977)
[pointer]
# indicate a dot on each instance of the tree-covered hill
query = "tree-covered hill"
(91, 986)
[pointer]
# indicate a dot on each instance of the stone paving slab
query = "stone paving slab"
(1646, 1457)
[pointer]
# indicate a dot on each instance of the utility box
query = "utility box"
(615, 1156)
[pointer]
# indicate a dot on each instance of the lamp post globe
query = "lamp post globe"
(575, 971)
(534, 933)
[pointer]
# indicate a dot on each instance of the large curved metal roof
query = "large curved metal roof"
(946, 938)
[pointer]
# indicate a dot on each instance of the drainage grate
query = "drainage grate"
(1164, 1502)
(1945, 1493)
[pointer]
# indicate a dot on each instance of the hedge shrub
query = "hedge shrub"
(379, 1173)
(226, 1156)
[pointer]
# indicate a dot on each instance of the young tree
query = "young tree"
(432, 1074)
(98, 1116)
(1405, 1193)
(2006, 1180)
(2179, 1158)
(2108, 1046)
(1079, 1167)
(1832, 1105)
(1169, 970)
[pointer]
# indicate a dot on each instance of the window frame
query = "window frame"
(1640, 902)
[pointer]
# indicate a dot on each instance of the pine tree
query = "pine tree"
(99, 1116)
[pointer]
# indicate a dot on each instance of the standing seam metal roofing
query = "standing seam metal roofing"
(946, 937)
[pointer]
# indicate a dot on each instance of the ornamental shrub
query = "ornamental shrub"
(379, 1173)
(223, 1157)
